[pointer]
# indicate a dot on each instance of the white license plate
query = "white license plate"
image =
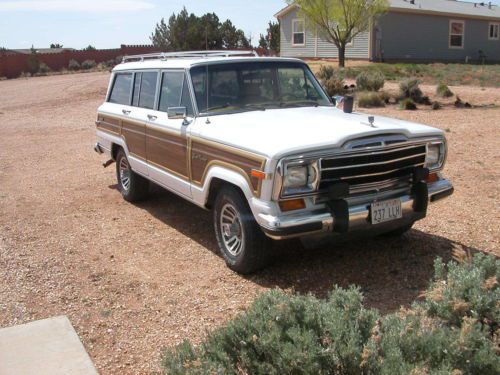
(386, 211)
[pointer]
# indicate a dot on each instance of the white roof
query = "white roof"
(185, 63)
(464, 9)
(449, 7)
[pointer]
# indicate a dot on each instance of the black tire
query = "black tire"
(399, 231)
(255, 250)
(132, 186)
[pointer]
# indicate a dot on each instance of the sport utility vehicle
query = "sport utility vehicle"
(258, 141)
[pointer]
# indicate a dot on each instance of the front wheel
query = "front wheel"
(132, 186)
(241, 242)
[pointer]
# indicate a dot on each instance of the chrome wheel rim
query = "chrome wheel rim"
(231, 229)
(124, 170)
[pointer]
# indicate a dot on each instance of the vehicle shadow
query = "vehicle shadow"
(391, 272)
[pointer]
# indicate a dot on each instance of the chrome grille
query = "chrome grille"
(373, 169)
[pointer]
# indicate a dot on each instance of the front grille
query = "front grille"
(371, 170)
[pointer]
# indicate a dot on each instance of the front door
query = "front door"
(167, 139)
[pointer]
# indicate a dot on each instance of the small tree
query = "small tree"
(56, 45)
(340, 21)
(89, 48)
(33, 62)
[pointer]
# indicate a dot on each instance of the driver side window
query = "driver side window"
(294, 85)
(175, 92)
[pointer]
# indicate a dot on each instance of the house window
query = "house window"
(494, 31)
(457, 30)
(298, 31)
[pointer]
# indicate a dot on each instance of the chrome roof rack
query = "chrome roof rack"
(188, 55)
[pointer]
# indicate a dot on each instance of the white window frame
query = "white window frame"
(462, 35)
(493, 24)
(294, 22)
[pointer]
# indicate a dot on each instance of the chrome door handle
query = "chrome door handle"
(125, 112)
(152, 117)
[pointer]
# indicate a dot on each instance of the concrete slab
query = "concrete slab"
(44, 347)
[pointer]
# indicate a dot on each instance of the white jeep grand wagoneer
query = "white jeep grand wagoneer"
(259, 142)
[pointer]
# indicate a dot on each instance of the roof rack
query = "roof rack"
(188, 54)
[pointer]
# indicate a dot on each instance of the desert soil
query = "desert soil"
(134, 278)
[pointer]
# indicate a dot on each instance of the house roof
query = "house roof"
(465, 9)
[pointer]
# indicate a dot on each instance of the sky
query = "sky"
(109, 23)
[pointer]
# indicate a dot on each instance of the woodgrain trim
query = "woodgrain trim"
(206, 154)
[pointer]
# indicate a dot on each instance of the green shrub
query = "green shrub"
(436, 106)
(444, 91)
(453, 331)
(407, 104)
(88, 64)
(410, 89)
(73, 65)
(370, 99)
(370, 81)
(326, 72)
(43, 68)
(332, 80)
(385, 96)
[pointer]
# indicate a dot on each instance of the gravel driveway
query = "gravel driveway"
(136, 278)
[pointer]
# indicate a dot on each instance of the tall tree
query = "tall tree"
(271, 41)
(186, 31)
(340, 21)
(56, 45)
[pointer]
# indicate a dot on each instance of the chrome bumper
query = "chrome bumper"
(316, 222)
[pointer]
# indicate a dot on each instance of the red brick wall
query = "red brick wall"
(12, 66)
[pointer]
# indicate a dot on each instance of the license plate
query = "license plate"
(386, 211)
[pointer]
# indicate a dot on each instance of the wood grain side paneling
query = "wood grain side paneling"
(205, 154)
(167, 151)
(134, 134)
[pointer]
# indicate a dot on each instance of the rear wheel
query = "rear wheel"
(241, 242)
(132, 186)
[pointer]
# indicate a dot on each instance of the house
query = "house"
(411, 30)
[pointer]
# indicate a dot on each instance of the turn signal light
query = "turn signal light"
(258, 174)
(433, 177)
(291, 205)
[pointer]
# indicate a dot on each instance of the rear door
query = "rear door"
(134, 121)
(167, 139)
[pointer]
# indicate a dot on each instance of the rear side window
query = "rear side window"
(120, 93)
(148, 90)
(175, 92)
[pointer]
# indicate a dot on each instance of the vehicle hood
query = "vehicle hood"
(275, 133)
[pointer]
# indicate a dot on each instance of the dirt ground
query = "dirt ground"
(136, 278)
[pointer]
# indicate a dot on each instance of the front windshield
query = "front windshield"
(250, 86)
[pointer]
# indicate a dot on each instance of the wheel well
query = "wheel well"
(114, 150)
(216, 184)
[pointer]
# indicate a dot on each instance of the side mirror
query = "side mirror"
(175, 113)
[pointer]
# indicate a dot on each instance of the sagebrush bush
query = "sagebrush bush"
(410, 89)
(407, 104)
(332, 80)
(43, 68)
(88, 64)
(453, 331)
(73, 65)
(370, 99)
(370, 81)
(444, 91)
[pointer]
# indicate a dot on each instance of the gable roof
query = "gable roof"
(464, 9)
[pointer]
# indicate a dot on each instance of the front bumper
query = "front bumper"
(358, 216)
